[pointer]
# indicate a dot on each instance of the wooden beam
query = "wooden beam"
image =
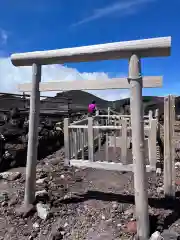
(114, 83)
(111, 166)
(103, 127)
(152, 47)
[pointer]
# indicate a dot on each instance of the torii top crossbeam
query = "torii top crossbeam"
(152, 47)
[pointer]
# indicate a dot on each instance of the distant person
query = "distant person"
(92, 108)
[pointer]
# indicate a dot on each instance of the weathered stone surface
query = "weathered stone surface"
(10, 176)
(43, 210)
(36, 226)
(42, 195)
(57, 235)
(156, 236)
(160, 190)
(41, 181)
(131, 227)
(177, 165)
(13, 201)
(170, 235)
(3, 196)
(25, 210)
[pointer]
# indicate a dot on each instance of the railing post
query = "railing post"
(66, 142)
(90, 139)
(169, 190)
(152, 143)
(124, 141)
(108, 114)
(150, 115)
(30, 185)
(156, 115)
(173, 118)
(140, 182)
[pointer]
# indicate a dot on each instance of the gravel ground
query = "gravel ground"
(82, 204)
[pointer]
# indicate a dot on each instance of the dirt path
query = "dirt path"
(84, 204)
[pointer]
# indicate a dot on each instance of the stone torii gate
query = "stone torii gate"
(132, 50)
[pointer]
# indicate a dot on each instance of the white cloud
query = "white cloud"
(3, 36)
(11, 76)
(112, 95)
(122, 7)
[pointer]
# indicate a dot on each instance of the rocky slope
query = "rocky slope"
(82, 204)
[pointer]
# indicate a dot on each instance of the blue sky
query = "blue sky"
(44, 24)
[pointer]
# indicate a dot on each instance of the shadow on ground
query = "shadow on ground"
(157, 222)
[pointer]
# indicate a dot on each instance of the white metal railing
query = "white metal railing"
(111, 114)
(87, 134)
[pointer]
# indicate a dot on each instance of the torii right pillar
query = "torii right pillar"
(140, 182)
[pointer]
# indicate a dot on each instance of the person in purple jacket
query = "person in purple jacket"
(92, 108)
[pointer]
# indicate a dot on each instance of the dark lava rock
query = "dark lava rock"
(170, 235)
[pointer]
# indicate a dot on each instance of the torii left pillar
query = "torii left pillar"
(30, 185)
